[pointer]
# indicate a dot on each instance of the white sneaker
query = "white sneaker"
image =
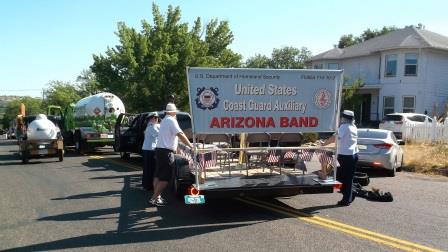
(162, 199)
(156, 202)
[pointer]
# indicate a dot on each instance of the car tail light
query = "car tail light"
(383, 146)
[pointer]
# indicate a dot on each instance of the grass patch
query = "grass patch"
(426, 158)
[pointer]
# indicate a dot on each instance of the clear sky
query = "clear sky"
(44, 40)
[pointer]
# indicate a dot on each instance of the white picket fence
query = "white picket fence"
(426, 132)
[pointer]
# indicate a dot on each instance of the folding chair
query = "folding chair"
(221, 141)
(257, 140)
(290, 140)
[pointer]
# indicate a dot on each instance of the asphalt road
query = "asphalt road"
(94, 203)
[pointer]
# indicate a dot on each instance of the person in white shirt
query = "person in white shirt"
(166, 147)
(149, 146)
(347, 151)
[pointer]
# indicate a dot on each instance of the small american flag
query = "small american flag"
(306, 155)
(186, 153)
(273, 156)
(327, 157)
(290, 155)
(207, 160)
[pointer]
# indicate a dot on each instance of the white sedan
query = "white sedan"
(379, 148)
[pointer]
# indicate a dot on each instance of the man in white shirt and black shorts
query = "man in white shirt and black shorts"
(166, 147)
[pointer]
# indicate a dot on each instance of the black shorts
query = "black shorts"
(164, 164)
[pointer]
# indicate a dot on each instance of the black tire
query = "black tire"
(179, 188)
(401, 164)
(61, 155)
(391, 173)
(125, 155)
(25, 158)
(182, 178)
(79, 143)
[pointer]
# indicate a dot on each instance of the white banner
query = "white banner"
(242, 100)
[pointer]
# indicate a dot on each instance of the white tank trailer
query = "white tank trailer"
(99, 105)
(43, 139)
(94, 120)
(42, 129)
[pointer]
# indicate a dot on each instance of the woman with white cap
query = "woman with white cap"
(166, 147)
(347, 151)
(149, 146)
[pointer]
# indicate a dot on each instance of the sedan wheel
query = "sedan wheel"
(394, 169)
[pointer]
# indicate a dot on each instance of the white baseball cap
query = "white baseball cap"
(348, 114)
(170, 107)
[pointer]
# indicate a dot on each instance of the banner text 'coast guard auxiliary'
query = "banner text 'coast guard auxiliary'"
(263, 100)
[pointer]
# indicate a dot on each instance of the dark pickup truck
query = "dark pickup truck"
(130, 131)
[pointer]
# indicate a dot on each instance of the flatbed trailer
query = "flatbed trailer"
(258, 103)
(233, 178)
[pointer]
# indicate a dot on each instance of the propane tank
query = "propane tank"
(101, 104)
(42, 129)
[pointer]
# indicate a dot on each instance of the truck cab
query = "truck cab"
(130, 131)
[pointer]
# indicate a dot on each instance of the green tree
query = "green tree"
(289, 57)
(349, 40)
(87, 83)
(258, 61)
(61, 93)
(346, 41)
(147, 66)
(351, 99)
(33, 106)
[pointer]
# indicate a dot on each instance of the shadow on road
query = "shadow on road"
(138, 222)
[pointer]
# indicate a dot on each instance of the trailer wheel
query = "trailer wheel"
(25, 158)
(125, 155)
(78, 144)
(61, 155)
(179, 188)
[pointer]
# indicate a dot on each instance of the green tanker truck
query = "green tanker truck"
(90, 122)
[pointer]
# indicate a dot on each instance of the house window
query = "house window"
(388, 105)
(318, 66)
(334, 66)
(391, 65)
(410, 64)
(408, 104)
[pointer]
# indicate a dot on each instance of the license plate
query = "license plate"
(41, 146)
(194, 199)
(103, 136)
(362, 147)
(42, 152)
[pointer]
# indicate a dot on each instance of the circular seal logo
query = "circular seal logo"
(207, 98)
(322, 98)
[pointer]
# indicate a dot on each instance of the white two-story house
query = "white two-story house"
(403, 71)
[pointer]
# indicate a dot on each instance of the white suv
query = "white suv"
(394, 122)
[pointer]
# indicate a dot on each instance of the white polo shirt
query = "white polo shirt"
(169, 128)
(151, 133)
(347, 139)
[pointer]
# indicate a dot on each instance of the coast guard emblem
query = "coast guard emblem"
(322, 98)
(207, 98)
